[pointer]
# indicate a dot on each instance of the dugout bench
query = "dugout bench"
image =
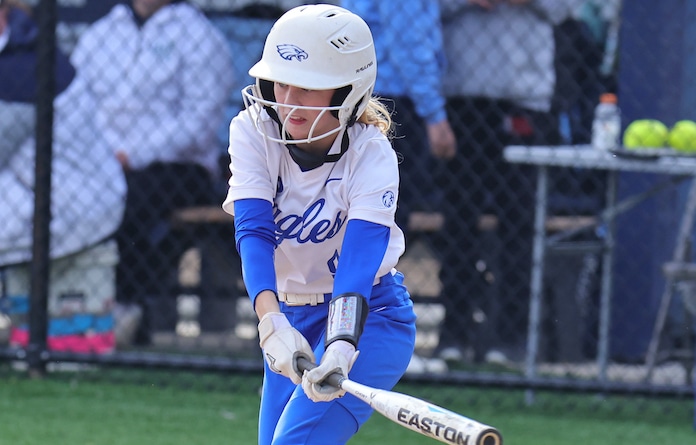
(220, 281)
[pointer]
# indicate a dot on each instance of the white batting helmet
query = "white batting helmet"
(318, 47)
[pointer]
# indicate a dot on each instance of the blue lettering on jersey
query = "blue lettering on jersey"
(333, 263)
(307, 227)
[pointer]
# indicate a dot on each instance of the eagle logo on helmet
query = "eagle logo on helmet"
(288, 52)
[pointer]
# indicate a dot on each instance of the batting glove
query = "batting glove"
(282, 345)
(338, 357)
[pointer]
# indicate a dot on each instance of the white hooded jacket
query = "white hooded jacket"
(160, 92)
(88, 186)
(505, 53)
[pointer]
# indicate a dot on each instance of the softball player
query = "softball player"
(314, 188)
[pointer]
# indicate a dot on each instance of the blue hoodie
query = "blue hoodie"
(18, 61)
(410, 56)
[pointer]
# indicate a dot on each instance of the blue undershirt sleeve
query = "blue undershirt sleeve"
(256, 243)
(362, 253)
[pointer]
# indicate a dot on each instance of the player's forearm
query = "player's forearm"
(266, 302)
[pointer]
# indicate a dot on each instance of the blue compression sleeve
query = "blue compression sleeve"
(362, 252)
(256, 242)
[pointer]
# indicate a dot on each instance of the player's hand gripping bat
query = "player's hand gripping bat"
(416, 414)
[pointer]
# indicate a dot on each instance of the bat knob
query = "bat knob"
(490, 438)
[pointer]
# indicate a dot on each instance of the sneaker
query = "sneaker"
(416, 365)
(126, 321)
(496, 357)
(422, 365)
(451, 354)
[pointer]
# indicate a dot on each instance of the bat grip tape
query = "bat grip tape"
(335, 379)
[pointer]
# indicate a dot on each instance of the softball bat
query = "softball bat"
(416, 414)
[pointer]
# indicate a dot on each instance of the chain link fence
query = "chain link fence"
(143, 268)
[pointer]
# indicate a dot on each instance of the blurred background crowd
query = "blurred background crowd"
(144, 91)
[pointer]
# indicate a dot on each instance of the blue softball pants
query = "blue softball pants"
(288, 417)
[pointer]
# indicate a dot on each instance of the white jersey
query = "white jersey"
(311, 209)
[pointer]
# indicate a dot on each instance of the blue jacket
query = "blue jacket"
(410, 56)
(18, 61)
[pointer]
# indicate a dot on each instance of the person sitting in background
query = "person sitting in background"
(18, 34)
(499, 85)
(159, 75)
(88, 186)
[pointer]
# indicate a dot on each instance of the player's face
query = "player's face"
(299, 121)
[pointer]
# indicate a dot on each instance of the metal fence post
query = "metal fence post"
(38, 318)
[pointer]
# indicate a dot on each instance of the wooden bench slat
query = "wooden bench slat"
(418, 221)
(201, 215)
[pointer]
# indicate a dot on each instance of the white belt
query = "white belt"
(301, 299)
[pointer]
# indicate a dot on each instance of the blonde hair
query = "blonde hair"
(378, 115)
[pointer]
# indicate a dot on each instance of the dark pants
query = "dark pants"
(479, 181)
(149, 251)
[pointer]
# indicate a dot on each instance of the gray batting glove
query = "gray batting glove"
(282, 345)
(338, 357)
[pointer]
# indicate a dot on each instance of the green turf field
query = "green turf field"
(71, 410)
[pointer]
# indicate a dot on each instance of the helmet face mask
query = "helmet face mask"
(253, 99)
(316, 47)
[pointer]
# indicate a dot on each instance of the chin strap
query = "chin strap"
(309, 161)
